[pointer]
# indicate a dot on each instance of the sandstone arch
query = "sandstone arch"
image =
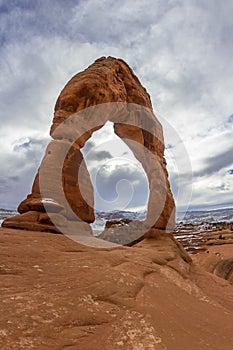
(106, 90)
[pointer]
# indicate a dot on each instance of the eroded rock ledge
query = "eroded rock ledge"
(57, 294)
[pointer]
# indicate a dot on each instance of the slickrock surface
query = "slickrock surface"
(194, 241)
(57, 294)
(111, 85)
(217, 259)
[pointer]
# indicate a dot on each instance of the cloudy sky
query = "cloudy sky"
(182, 52)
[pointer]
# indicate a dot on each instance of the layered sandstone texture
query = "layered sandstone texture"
(62, 191)
(57, 294)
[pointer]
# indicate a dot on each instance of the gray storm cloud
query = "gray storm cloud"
(180, 50)
(216, 163)
(125, 183)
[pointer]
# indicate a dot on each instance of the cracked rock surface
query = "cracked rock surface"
(57, 294)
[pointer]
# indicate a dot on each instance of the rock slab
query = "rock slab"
(57, 294)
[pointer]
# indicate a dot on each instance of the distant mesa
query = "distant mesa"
(108, 90)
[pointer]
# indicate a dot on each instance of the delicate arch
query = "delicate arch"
(107, 90)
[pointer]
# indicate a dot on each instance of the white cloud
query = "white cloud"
(18, 165)
(119, 179)
(180, 50)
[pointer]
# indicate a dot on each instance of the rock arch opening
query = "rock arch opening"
(121, 187)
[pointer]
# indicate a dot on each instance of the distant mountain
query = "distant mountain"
(209, 216)
(194, 217)
(102, 217)
(6, 213)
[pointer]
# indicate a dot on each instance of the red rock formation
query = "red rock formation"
(58, 294)
(112, 88)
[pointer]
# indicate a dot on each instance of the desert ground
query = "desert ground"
(58, 294)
